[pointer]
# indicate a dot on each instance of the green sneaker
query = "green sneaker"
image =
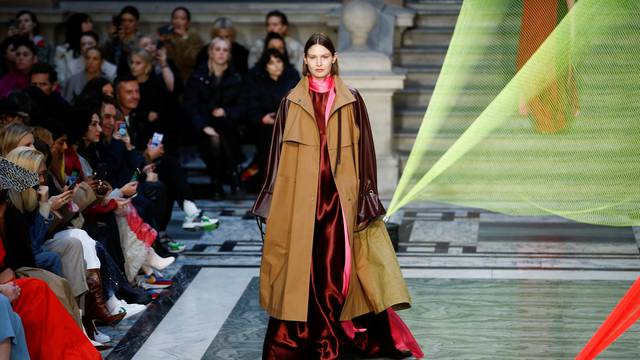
(200, 222)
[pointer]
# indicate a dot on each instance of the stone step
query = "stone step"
(428, 36)
(420, 56)
(418, 76)
(420, 97)
(436, 16)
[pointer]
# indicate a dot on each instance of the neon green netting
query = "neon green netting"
(523, 131)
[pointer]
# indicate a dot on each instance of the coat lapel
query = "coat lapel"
(343, 96)
(300, 96)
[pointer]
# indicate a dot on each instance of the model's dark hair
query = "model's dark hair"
(279, 14)
(73, 31)
(132, 10)
(323, 40)
(44, 68)
(34, 20)
(186, 11)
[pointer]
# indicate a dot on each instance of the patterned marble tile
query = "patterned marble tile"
(473, 319)
(556, 247)
(459, 232)
(195, 319)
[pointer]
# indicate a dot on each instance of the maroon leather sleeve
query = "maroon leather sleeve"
(369, 205)
(263, 202)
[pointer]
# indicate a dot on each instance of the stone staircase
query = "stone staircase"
(421, 53)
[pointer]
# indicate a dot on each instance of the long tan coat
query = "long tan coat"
(376, 282)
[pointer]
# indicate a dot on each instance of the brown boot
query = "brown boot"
(96, 307)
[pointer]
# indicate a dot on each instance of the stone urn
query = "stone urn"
(359, 17)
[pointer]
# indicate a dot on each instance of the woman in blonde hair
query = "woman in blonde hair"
(14, 135)
(64, 257)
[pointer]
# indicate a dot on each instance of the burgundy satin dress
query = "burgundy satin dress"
(322, 336)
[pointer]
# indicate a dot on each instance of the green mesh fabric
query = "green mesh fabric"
(553, 132)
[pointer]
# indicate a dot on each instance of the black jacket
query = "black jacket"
(16, 239)
(265, 94)
(202, 95)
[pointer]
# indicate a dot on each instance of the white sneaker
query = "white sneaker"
(132, 309)
(101, 337)
(200, 222)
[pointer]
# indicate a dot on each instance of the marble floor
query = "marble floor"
(484, 286)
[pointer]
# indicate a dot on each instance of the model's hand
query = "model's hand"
(10, 290)
(268, 119)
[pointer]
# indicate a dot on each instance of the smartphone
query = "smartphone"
(135, 175)
(72, 180)
(156, 140)
(122, 129)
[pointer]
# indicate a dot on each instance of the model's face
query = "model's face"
(42, 81)
(179, 20)
(93, 132)
(128, 24)
(148, 44)
(87, 42)
(276, 44)
(58, 147)
(319, 60)
(93, 61)
(25, 25)
(274, 24)
(275, 67)
(87, 25)
(129, 95)
(25, 59)
(219, 52)
(108, 119)
(138, 66)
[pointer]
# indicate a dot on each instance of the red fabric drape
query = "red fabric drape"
(625, 314)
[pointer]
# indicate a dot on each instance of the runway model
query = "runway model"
(329, 278)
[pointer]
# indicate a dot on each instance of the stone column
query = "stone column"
(371, 72)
